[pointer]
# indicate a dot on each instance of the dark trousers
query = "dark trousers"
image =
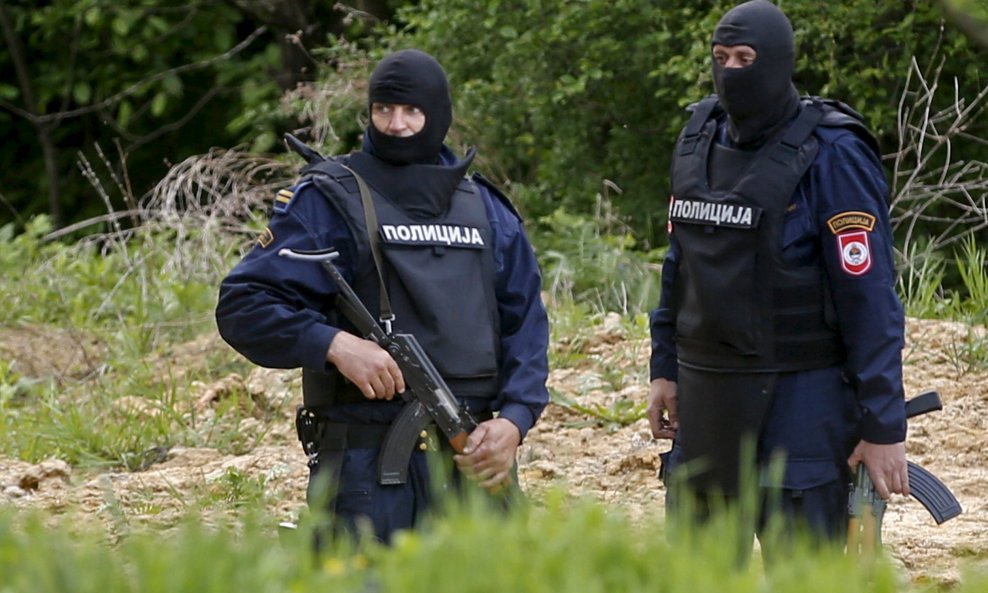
(356, 504)
(344, 485)
(782, 515)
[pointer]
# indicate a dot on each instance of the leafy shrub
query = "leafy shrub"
(561, 96)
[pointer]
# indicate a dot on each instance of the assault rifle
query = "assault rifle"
(428, 398)
(866, 509)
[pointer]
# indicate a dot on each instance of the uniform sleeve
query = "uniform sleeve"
(856, 248)
(662, 321)
(524, 365)
(273, 309)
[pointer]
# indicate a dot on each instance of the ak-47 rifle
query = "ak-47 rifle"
(866, 509)
(428, 398)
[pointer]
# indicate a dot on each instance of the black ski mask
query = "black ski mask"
(759, 98)
(411, 77)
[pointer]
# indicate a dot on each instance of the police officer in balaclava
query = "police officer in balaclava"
(431, 252)
(779, 325)
(758, 96)
(410, 113)
(414, 79)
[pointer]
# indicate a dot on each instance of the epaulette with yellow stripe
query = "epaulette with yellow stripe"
(283, 200)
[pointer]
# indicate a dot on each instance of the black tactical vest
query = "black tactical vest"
(739, 306)
(439, 274)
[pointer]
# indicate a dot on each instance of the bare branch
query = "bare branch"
(42, 129)
(20, 63)
(939, 198)
(90, 222)
(17, 215)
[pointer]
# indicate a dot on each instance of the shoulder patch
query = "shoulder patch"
(496, 192)
(265, 238)
(855, 252)
(846, 221)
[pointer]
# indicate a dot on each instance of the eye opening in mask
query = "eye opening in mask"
(397, 119)
(734, 56)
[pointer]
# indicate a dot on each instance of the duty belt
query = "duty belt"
(320, 435)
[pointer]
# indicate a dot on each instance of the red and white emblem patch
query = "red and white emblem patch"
(855, 252)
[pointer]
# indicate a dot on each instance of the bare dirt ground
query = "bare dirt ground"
(614, 464)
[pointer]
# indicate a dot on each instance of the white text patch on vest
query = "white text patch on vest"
(433, 234)
(720, 214)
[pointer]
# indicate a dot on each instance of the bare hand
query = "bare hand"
(886, 466)
(490, 453)
(366, 365)
(662, 415)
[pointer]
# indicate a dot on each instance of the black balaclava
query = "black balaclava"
(759, 98)
(411, 77)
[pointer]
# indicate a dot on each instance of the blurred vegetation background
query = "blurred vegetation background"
(571, 103)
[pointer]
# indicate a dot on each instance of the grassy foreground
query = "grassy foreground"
(558, 548)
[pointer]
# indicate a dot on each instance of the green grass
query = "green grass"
(594, 261)
(924, 295)
(565, 546)
(129, 302)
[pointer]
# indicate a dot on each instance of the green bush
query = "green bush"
(561, 95)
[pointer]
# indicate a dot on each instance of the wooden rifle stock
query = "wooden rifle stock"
(866, 509)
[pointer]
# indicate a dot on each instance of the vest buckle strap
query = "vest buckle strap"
(784, 152)
(689, 144)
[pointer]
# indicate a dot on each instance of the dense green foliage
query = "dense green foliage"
(970, 16)
(81, 72)
(565, 99)
(564, 95)
(148, 83)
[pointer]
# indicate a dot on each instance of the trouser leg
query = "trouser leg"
(818, 514)
(356, 504)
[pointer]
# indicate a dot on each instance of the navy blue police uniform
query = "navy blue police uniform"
(836, 221)
(778, 320)
(278, 313)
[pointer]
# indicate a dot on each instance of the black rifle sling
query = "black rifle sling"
(374, 238)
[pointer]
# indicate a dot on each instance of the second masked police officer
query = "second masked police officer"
(459, 271)
(778, 321)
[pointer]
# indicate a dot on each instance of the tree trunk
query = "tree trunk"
(42, 130)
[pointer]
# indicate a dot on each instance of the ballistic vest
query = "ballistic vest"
(439, 274)
(739, 306)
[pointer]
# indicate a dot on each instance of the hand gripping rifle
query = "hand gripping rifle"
(866, 509)
(428, 398)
